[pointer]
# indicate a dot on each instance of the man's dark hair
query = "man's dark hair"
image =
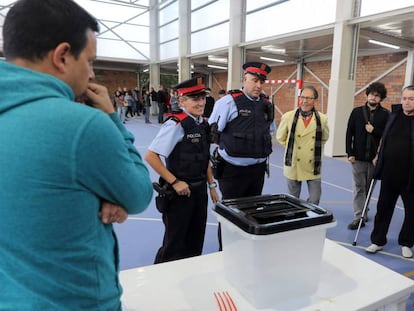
(32, 28)
(312, 88)
(377, 87)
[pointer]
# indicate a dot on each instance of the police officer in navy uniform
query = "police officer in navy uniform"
(240, 124)
(183, 141)
(242, 120)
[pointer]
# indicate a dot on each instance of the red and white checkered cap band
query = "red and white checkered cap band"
(255, 70)
(191, 90)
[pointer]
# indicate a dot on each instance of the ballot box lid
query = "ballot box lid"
(269, 214)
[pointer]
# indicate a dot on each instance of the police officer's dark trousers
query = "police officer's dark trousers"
(239, 182)
(185, 225)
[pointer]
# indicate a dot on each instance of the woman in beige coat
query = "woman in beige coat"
(303, 132)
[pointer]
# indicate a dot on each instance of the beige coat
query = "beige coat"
(304, 145)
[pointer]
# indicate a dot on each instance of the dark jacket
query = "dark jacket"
(396, 110)
(359, 143)
(154, 95)
(162, 97)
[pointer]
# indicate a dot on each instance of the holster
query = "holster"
(165, 194)
(217, 164)
(214, 134)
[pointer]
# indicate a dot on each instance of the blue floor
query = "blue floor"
(141, 235)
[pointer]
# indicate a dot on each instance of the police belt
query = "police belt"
(250, 166)
(168, 191)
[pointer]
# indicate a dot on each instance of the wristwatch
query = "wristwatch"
(212, 185)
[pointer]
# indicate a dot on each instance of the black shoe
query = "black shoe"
(354, 224)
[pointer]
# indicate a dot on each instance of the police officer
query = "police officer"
(242, 121)
(240, 124)
(183, 141)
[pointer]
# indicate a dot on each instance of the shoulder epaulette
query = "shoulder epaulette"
(235, 93)
(176, 116)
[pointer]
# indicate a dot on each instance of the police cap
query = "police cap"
(191, 87)
(257, 68)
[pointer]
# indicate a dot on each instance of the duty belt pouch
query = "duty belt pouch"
(217, 164)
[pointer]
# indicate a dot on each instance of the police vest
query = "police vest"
(189, 159)
(248, 135)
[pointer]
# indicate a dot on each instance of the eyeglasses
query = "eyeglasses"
(306, 98)
(410, 99)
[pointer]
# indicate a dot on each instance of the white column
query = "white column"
(342, 83)
(409, 70)
(184, 40)
(184, 66)
(236, 55)
(154, 68)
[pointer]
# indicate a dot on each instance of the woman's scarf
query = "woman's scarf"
(318, 140)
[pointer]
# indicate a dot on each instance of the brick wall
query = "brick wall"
(113, 79)
(369, 68)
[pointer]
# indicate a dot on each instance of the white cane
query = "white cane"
(371, 188)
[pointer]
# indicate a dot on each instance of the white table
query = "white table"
(348, 282)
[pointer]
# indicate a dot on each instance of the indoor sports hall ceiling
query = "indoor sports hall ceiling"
(121, 19)
(394, 27)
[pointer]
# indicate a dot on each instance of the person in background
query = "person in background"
(119, 104)
(154, 101)
(395, 169)
(365, 127)
(76, 174)
(130, 103)
(183, 141)
(147, 106)
(162, 106)
(209, 104)
(136, 95)
(174, 100)
(303, 132)
(167, 106)
(240, 124)
(221, 93)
